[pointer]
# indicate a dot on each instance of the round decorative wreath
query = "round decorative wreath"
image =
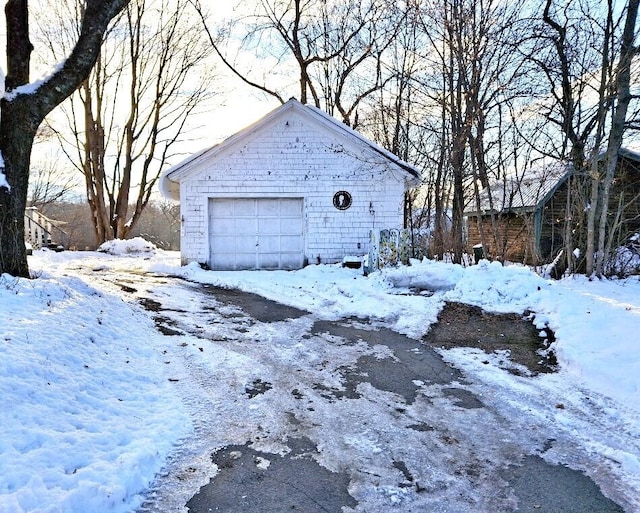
(342, 200)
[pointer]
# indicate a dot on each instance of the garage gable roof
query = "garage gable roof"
(169, 181)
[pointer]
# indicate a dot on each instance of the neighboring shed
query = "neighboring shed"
(296, 187)
(522, 220)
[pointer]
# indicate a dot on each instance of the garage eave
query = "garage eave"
(169, 188)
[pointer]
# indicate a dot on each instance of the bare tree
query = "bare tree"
(616, 133)
(472, 75)
(50, 178)
(74, 218)
(569, 74)
(334, 48)
(160, 224)
(576, 52)
(450, 107)
(131, 111)
(50, 182)
(24, 106)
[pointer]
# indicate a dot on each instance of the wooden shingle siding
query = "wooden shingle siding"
(550, 240)
(626, 185)
(507, 237)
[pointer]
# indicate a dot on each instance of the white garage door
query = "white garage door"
(256, 233)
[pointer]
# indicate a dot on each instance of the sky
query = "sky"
(92, 413)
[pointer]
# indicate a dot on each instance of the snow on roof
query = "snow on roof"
(525, 193)
(631, 152)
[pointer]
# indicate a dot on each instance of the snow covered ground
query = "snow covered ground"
(90, 414)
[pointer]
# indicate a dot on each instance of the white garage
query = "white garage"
(296, 187)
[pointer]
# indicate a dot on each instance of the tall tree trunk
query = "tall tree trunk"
(439, 225)
(594, 174)
(23, 111)
(594, 164)
(617, 125)
(566, 227)
(457, 224)
(93, 166)
(17, 131)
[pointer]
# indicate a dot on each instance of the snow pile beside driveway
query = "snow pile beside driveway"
(331, 292)
(595, 322)
(88, 414)
(424, 276)
(496, 288)
(596, 325)
(136, 246)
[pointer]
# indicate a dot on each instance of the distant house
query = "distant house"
(295, 187)
(523, 220)
(42, 232)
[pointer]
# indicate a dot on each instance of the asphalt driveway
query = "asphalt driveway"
(296, 413)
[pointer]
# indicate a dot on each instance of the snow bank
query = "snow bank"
(135, 246)
(88, 414)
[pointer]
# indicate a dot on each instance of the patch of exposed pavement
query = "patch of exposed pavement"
(253, 481)
(461, 325)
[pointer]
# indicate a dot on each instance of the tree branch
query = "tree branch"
(231, 67)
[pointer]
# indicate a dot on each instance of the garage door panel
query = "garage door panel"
(224, 243)
(269, 244)
(222, 228)
(245, 225)
(244, 207)
(269, 226)
(221, 209)
(245, 261)
(291, 261)
(268, 261)
(268, 207)
(291, 244)
(244, 244)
